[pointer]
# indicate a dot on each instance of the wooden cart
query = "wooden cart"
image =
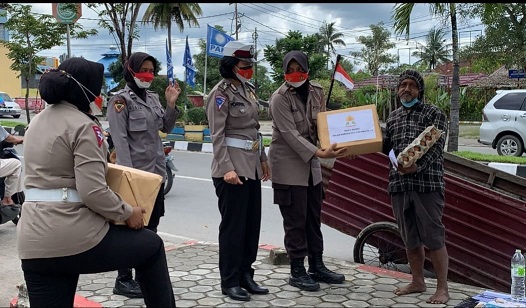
(484, 216)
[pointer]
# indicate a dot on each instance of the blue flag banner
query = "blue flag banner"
(170, 67)
(189, 66)
(190, 78)
(215, 41)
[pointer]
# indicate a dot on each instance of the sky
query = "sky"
(271, 21)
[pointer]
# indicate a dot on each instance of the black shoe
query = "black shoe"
(326, 276)
(319, 272)
(304, 283)
(129, 288)
(236, 293)
(250, 285)
(299, 278)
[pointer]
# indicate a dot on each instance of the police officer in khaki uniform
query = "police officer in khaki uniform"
(135, 116)
(238, 166)
(296, 170)
(65, 228)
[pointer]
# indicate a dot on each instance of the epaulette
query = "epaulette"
(284, 88)
(223, 86)
(315, 84)
(253, 87)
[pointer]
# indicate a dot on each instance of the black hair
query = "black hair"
(226, 67)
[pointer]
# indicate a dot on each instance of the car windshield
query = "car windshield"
(5, 97)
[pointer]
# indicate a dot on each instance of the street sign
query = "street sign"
(516, 74)
(67, 13)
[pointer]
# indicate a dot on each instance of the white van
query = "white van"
(8, 107)
(504, 122)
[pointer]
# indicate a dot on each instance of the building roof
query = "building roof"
(109, 57)
(499, 79)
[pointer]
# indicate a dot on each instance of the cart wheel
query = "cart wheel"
(380, 244)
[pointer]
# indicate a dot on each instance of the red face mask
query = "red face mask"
(296, 79)
(245, 73)
(144, 76)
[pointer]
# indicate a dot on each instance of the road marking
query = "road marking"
(207, 180)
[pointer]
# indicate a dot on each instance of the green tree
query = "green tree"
(162, 15)
(121, 20)
(296, 41)
(375, 52)
(31, 34)
(434, 52)
(504, 40)
(402, 22)
(330, 38)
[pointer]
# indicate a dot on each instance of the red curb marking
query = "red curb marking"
(267, 247)
(383, 271)
(79, 302)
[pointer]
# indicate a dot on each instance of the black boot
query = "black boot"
(299, 278)
(247, 281)
(319, 272)
(125, 285)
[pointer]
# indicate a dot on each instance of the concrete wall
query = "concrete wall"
(9, 82)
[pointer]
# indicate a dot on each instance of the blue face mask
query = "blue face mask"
(410, 104)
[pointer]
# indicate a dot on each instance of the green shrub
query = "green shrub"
(196, 116)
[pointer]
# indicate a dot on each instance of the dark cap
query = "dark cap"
(241, 51)
(414, 75)
(297, 55)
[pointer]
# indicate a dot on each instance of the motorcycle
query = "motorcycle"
(10, 213)
(170, 166)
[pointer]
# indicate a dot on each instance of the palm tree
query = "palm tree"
(329, 38)
(402, 18)
(162, 15)
(435, 52)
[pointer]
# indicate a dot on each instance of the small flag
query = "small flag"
(170, 67)
(215, 41)
(189, 67)
(341, 75)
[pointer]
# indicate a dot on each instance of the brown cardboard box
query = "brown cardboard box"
(136, 187)
(356, 128)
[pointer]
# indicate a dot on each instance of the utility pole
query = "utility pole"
(235, 8)
(255, 37)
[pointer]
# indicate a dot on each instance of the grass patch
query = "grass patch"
(490, 157)
(8, 123)
(469, 131)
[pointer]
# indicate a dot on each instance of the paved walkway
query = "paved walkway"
(196, 282)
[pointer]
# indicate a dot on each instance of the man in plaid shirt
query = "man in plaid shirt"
(417, 190)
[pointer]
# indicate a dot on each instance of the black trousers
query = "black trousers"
(300, 208)
(153, 223)
(240, 209)
(52, 282)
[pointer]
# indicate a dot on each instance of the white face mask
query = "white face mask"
(296, 84)
(94, 109)
(142, 84)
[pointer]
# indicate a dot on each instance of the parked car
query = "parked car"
(8, 107)
(504, 122)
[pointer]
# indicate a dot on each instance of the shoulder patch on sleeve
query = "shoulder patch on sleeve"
(119, 104)
(98, 133)
(219, 100)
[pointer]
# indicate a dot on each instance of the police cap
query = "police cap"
(241, 51)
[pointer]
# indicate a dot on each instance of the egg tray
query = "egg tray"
(419, 146)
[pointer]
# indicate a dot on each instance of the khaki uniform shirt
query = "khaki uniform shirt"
(63, 147)
(294, 136)
(134, 129)
(232, 111)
